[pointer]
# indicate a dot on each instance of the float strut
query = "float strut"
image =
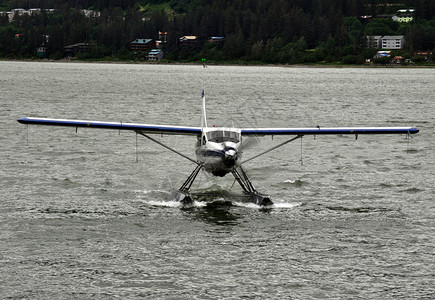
(183, 194)
(249, 189)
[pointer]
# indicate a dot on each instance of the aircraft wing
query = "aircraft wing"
(325, 131)
(183, 130)
(145, 128)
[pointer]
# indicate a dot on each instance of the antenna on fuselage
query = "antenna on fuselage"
(204, 116)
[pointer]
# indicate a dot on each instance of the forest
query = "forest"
(255, 31)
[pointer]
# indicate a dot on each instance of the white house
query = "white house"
(389, 42)
(155, 54)
(392, 42)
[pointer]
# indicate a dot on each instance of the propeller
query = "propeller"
(249, 143)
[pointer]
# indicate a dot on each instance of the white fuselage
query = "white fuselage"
(218, 150)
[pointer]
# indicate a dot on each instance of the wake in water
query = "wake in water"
(213, 199)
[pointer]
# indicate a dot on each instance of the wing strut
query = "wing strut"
(273, 148)
(167, 147)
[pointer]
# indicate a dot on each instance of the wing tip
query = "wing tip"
(22, 120)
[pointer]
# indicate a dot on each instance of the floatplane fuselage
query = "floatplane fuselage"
(219, 149)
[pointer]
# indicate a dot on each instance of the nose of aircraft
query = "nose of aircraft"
(230, 156)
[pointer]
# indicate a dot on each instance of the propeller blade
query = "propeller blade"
(249, 143)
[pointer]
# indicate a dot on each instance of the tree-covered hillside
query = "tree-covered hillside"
(271, 31)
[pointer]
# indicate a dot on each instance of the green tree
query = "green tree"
(234, 46)
(257, 51)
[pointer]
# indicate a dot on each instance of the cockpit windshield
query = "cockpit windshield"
(223, 136)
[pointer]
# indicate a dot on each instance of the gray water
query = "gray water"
(81, 219)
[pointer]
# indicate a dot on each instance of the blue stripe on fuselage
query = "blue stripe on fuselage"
(214, 153)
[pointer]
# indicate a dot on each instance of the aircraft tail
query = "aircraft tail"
(203, 116)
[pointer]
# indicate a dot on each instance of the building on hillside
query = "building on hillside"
(366, 18)
(404, 15)
(425, 55)
(162, 39)
(34, 11)
(91, 13)
(392, 42)
(41, 52)
(374, 41)
(381, 54)
(16, 12)
(145, 45)
(398, 60)
(163, 36)
(403, 19)
(73, 50)
(187, 40)
(216, 39)
(155, 55)
(406, 11)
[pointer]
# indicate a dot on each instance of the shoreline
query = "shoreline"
(226, 64)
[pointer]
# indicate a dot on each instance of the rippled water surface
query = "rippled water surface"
(81, 219)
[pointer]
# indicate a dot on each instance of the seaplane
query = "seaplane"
(219, 149)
